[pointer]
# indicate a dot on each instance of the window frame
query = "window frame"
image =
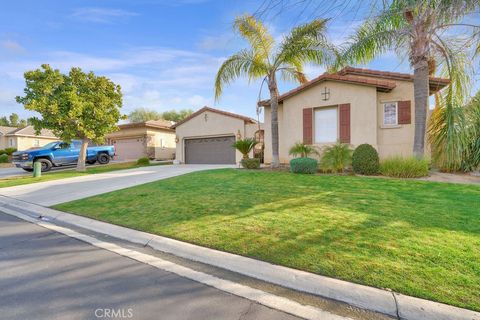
(337, 134)
(396, 113)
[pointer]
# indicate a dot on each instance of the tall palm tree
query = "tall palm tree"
(421, 30)
(266, 60)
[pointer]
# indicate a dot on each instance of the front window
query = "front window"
(11, 142)
(390, 113)
(326, 125)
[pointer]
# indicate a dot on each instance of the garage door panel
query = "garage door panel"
(129, 149)
(214, 150)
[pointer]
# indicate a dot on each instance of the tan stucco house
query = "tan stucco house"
(24, 138)
(206, 136)
(352, 106)
(154, 139)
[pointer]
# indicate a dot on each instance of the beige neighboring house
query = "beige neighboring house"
(352, 106)
(24, 138)
(206, 136)
(154, 139)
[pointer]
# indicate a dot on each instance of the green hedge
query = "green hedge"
(253, 163)
(143, 161)
(404, 167)
(303, 165)
(3, 158)
(365, 160)
(9, 151)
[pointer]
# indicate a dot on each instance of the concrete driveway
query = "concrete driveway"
(46, 275)
(58, 191)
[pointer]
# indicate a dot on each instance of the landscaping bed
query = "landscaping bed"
(415, 237)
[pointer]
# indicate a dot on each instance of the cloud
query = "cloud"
(12, 46)
(101, 15)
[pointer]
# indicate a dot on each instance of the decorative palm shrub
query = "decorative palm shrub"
(399, 167)
(303, 165)
(302, 150)
(2, 151)
(336, 157)
(9, 151)
(253, 163)
(3, 158)
(144, 161)
(245, 146)
(365, 160)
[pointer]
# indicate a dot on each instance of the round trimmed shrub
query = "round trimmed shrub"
(143, 161)
(253, 163)
(3, 158)
(304, 165)
(365, 160)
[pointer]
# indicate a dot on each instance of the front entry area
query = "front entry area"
(212, 150)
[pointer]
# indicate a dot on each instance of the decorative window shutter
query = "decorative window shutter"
(404, 112)
(344, 114)
(308, 125)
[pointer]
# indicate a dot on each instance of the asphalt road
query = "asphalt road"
(46, 275)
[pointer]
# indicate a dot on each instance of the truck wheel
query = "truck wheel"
(46, 164)
(103, 158)
(28, 169)
(91, 161)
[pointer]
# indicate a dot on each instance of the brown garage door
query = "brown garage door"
(129, 149)
(216, 150)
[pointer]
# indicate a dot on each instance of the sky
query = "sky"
(163, 53)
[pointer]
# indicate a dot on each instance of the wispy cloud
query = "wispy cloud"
(12, 46)
(101, 15)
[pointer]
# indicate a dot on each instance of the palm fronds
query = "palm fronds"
(302, 149)
(245, 146)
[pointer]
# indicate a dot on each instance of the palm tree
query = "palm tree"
(265, 60)
(302, 149)
(420, 30)
(245, 146)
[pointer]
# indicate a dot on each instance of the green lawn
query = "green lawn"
(415, 237)
(55, 175)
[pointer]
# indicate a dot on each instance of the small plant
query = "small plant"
(245, 146)
(365, 160)
(302, 149)
(2, 151)
(399, 167)
(9, 151)
(336, 157)
(144, 161)
(303, 165)
(3, 158)
(253, 163)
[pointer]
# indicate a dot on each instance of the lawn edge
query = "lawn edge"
(365, 297)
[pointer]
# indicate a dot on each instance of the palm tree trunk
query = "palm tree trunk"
(272, 86)
(421, 95)
(82, 156)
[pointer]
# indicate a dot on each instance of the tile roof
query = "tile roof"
(225, 113)
(30, 131)
(157, 124)
(4, 129)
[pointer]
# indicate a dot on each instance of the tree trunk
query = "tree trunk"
(272, 86)
(82, 156)
(421, 94)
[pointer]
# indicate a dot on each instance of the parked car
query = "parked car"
(59, 153)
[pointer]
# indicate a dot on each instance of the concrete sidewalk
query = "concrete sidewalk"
(59, 191)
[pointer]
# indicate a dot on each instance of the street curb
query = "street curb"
(365, 297)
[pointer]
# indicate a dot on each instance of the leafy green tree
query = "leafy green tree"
(76, 105)
(265, 60)
(4, 121)
(422, 31)
(143, 114)
(174, 115)
(14, 120)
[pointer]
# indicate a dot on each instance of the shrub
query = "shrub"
(245, 146)
(3, 158)
(303, 165)
(336, 157)
(2, 151)
(365, 160)
(144, 161)
(9, 151)
(302, 150)
(404, 167)
(253, 163)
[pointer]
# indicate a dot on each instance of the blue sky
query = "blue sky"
(163, 53)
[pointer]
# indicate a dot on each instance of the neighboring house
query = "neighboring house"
(352, 106)
(24, 138)
(154, 139)
(206, 136)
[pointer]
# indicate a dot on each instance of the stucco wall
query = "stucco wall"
(24, 143)
(209, 124)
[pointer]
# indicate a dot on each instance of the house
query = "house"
(352, 106)
(24, 138)
(154, 139)
(206, 136)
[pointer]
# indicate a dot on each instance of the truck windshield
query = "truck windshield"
(50, 145)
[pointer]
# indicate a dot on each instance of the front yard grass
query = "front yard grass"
(69, 173)
(414, 237)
